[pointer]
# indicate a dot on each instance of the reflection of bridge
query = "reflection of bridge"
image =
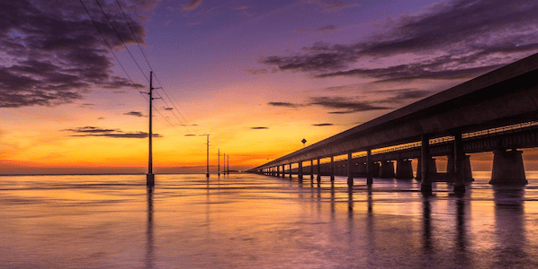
(493, 112)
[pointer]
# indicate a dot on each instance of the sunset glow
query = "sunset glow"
(257, 77)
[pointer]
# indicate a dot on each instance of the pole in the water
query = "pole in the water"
(150, 178)
(218, 167)
(207, 174)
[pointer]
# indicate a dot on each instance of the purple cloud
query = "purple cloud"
(51, 54)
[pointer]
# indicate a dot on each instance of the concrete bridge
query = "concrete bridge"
(497, 112)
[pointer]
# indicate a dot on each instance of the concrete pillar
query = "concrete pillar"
(311, 169)
(459, 160)
(432, 168)
(332, 168)
(349, 169)
(290, 171)
(369, 168)
(467, 171)
(376, 169)
(387, 170)
(283, 171)
(404, 169)
(300, 171)
(278, 171)
(426, 186)
(319, 170)
(508, 168)
(362, 170)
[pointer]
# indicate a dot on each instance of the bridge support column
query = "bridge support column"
(318, 176)
(432, 168)
(362, 169)
(508, 168)
(467, 171)
(312, 170)
(459, 161)
(426, 186)
(290, 171)
(283, 171)
(277, 171)
(387, 169)
(404, 169)
(332, 168)
(376, 169)
(349, 169)
(300, 171)
(369, 168)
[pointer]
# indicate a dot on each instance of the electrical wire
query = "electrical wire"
(119, 62)
(121, 40)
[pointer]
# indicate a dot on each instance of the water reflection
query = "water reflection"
(426, 226)
(509, 224)
(149, 230)
(461, 257)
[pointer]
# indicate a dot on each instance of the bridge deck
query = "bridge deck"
(504, 96)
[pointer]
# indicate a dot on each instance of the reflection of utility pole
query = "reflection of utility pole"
(207, 174)
(218, 169)
(228, 164)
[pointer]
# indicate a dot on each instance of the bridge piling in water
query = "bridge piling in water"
(369, 167)
(300, 172)
(311, 169)
(426, 186)
(349, 169)
(290, 171)
(508, 168)
(318, 176)
(387, 169)
(404, 169)
(332, 169)
(459, 162)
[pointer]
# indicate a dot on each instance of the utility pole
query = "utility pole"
(218, 167)
(207, 174)
(150, 178)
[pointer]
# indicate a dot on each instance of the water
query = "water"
(252, 221)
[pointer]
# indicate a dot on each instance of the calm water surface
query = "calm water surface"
(252, 221)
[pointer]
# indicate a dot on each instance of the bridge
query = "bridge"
(494, 112)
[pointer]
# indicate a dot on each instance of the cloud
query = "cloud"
(320, 30)
(168, 108)
(322, 124)
(259, 128)
(134, 113)
(192, 5)
(92, 131)
(190, 135)
(331, 5)
(455, 40)
(402, 95)
(284, 104)
(344, 105)
(52, 54)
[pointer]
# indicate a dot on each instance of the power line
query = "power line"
(121, 40)
(106, 42)
(119, 62)
(137, 42)
(186, 123)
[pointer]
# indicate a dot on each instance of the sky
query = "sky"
(257, 76)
